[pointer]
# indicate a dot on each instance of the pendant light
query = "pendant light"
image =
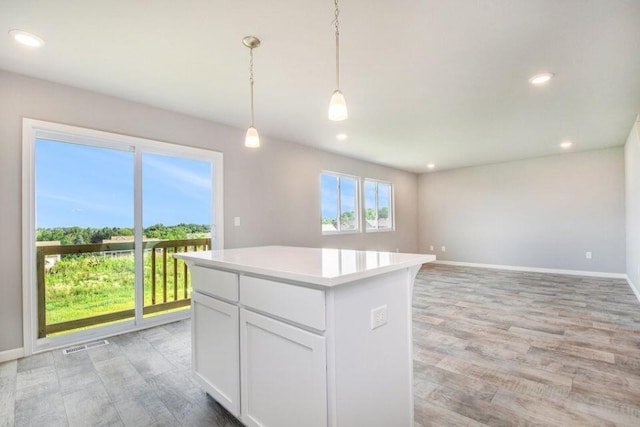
(338, 105)
(252, 139)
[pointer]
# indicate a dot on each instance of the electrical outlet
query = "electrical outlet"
(378, 317)
(431, 248)
(444, 249)
(588, 255)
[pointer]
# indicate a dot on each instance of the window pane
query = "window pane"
(84, 195)
(384, 206)
(329, 203)
(370, 205)
(176, 206)
(348, 215)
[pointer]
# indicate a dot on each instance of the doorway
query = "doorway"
(106, 214)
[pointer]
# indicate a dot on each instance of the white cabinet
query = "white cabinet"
(284, 336)
(278, 371)
(284, 374)
(215, 344)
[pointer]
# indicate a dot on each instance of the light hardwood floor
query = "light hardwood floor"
(495, 347)
(492, 347)
(139, 379)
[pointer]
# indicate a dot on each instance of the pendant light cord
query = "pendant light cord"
(337, 25)
(251, 81)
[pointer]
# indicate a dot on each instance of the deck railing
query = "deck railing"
(159, 250)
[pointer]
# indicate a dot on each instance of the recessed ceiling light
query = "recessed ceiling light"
(341, 136)
(431, 165)
(27, 39)
(566, 144)
(540, 79)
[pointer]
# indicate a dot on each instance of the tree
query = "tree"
(370, 214)
(348, 216)
(103, 234)
(156, 231)
(383, 212)
(122, 231)
(78, 236)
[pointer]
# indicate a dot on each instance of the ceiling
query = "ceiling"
(425, 80)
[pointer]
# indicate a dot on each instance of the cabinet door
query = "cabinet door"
(215, 345)
(284, 375)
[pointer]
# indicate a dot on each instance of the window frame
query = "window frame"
(356, 208)
(392, 205)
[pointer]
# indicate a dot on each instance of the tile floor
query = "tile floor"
(491, 348)
(139, 379)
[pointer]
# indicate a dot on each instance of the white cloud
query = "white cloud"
(185, 177)
(82, 205)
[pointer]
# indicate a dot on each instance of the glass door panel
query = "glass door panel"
(176, 217)
(85, 257)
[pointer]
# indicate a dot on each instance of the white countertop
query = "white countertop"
(325, 267)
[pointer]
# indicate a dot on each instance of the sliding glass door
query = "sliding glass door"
(107, 214)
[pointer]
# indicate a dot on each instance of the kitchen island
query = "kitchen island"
(288, 336)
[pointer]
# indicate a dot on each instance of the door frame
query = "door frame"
(33, 129)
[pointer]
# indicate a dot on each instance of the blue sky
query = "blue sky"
(370, 195)
(329, 191)
(93, 187)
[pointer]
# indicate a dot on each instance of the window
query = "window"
(339, 203)
(378, 203)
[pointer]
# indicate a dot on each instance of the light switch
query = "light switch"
(236, 221)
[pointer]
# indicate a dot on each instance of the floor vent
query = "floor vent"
(84, 347)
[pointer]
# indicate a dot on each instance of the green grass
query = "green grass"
(82, 286)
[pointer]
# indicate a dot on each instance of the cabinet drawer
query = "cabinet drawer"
(302, 305)
(217, 283)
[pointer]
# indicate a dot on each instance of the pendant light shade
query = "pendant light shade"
(252, 139)
(337, 105)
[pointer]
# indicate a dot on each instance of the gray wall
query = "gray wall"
(543, 212)
(275, 189)
(632, 188)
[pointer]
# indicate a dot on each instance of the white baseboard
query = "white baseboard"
(16, 353)
(537, 270)
(634, 288)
